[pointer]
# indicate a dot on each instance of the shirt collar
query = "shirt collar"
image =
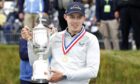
(68, 34)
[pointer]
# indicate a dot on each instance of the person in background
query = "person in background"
(75, 52)
(106, 15)
(29, 10)
(129, 19)
(2, 22)
(25, 67)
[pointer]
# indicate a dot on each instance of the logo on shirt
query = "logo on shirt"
(82, 43)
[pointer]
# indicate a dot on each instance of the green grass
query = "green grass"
(116, 67)
(119, 67)
(9, 64)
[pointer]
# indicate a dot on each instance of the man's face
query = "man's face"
(74, 21)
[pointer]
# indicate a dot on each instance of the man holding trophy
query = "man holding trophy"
(25, 65)
(75, 53)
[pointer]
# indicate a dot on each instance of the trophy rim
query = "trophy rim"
(41, 81)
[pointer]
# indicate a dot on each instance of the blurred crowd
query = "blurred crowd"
(114, 22)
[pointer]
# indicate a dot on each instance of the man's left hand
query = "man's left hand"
(56, 76)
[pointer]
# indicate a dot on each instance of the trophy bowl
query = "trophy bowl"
(40, 65)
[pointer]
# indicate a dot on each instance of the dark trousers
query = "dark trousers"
(129, 18)
(62, 21)
(135, 22)
(124, 27)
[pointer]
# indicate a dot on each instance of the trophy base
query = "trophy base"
(39, 81)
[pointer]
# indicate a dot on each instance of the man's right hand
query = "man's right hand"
(26, 33)
(21, 16)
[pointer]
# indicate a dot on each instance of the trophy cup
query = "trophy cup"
(40, 44)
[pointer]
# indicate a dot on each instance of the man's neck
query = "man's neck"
(73, 33)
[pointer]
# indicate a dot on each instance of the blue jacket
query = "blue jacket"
(25, 67)
(100, 14)
(126, 3)
(28, 7)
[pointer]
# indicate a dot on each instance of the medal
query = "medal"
(65, 58)
(67, 48)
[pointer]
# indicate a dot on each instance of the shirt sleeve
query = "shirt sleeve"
(92, 64)
(23, 49)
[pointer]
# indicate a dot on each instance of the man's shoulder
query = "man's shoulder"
(90, 38)
(57, 35)
(90, 35)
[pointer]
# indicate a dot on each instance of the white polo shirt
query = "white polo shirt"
(79, 61)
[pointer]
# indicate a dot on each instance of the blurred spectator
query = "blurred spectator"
(29, 9)
(9, 29)
(2, 16)
(89, 9)
(106, 16)
(90, 22)
(122, 7)
(2, 22)
(129, 18)
(60, 5)
(12, 25)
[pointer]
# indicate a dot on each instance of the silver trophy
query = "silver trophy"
(40, 44)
